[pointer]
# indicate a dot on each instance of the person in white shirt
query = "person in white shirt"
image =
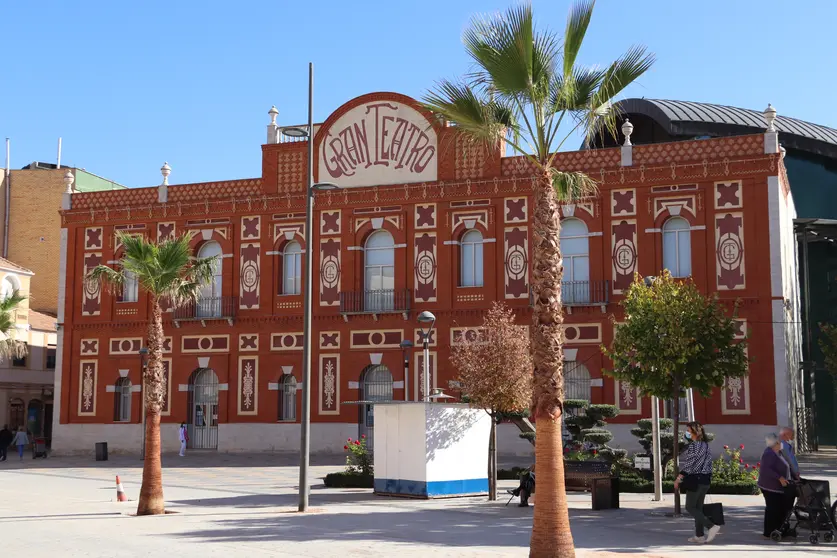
(184, 437)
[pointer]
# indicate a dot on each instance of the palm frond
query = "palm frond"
(577, 23)
(11, 302)
(620, 74)
(483, 120)
(111, 278)
(573, 186)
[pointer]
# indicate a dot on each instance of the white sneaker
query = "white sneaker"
(697, 540)
(712, 533)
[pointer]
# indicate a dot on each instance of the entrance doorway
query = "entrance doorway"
(203, 405)
(375, 385)
(35, 417)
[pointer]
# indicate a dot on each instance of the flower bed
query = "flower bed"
(348, 480)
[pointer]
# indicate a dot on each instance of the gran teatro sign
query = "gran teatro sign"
(379, 143)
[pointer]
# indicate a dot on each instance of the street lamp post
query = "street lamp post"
(305, 441)
(426, 319)
(406, 346)
(655, 435)
(143, 353)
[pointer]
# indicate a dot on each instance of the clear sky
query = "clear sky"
(129, 85)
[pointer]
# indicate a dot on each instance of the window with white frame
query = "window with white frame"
(471, 267)
(575, 252)
(287, 398)
(210, 302)
(130, 287)
(123, 400)
(379, 271)
(292, 269)
(677, 247)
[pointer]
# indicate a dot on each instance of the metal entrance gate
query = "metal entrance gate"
(203, 420)
(376, 385)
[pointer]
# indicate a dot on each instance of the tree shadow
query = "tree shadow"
(448, 426)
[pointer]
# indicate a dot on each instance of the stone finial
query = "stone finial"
(273, 128)
(165, 170)
(68, 180)
(627, 129)
(783, 151)
(273, 112)
(770, 117)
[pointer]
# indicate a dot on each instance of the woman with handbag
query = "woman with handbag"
(694, 479)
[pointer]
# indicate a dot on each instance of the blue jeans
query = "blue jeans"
(20, 450)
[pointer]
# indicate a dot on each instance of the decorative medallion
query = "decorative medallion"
(515, 210)
(329, 383)
(516, 247)
(251, 227)
(330, 272)
(729, 251)
(623, 237)
(425, 267)
(250, 276)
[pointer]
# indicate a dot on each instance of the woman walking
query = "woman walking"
(21, 440)
(184, 437)
(695, 478)
(773, 478)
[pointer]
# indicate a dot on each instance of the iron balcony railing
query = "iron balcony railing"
(581, 293)
(387, 301)
(208, 308)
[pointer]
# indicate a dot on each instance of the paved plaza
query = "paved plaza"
(245, 505)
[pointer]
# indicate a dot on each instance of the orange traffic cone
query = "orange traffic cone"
(120, 492)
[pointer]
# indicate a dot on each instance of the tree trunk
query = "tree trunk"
(551, 534)
(492, 459)
(151, 494)
(676, 446)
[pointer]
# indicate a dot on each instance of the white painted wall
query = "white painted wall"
(457, 442)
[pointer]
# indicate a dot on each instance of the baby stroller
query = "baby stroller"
(811, 511)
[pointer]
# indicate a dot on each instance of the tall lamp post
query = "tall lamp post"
(143, 354)
(427, 320)
(305, 442)
(406, 347)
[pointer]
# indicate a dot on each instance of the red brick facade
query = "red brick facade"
(718, 186)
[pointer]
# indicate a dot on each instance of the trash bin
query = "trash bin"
(101, 451)
(602, 493)
(614, 493)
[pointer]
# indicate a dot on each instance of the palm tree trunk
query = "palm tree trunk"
(151, 494)
(551, 536)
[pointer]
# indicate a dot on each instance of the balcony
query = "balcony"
(582, 293)
(387, 301)
(209, 308)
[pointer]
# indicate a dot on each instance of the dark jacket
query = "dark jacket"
(772, 468)
(5, 437)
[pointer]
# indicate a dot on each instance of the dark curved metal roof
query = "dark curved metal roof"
(690, 118)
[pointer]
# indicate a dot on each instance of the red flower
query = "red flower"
(349, 440)
(357, 442)
(726, 447)
(566, 450)
(758, 464)
(595, 452)
(741, 461)
(345, 447)
(363, 436)
(741, 446)
(747, 466)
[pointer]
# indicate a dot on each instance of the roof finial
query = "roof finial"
(68, 180)
(627, 129)
(165, 170)
(770, 117)
(273, 112)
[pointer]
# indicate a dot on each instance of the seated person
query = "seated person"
(526, 488)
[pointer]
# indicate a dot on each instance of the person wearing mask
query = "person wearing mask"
(21, 441)
(773, 478)
(786, 434)
(694, 479)
(184, 437)
(6, 438)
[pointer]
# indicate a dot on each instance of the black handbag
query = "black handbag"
(714, 512)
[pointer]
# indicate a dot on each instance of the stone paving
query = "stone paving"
(231, 505)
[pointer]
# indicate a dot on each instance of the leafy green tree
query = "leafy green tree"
(674, 338)
(166, 271)
(527, 90)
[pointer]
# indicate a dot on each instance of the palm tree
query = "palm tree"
(527, 90)
(166, 271)
(10, 347)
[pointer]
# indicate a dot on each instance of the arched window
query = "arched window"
(576, 381)
(677, 247)
(575, 251)
(471, 256)
(122, 412)
(379, 272)
(287, 398)
(292, 269)
(210, 303)
(17, 413)
(130, 288)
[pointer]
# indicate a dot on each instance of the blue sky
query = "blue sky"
(129, 85)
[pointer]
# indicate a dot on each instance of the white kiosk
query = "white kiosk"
(430, 450)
